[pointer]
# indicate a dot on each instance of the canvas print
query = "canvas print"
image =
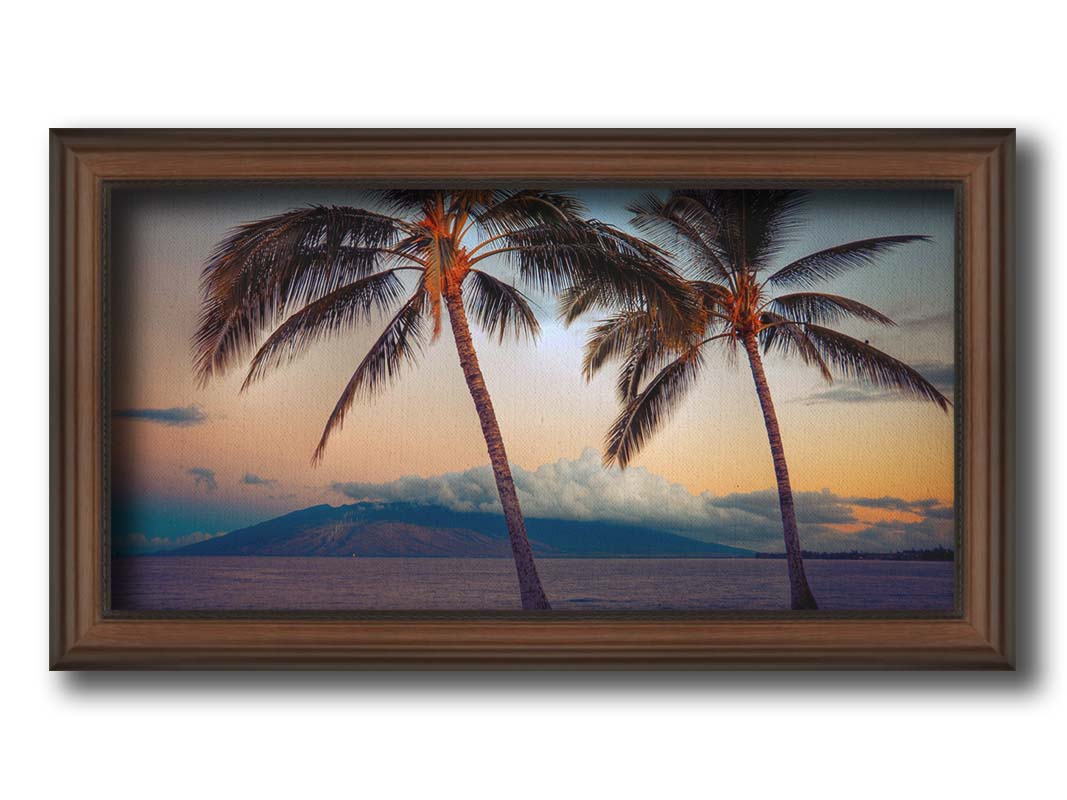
(552, 399)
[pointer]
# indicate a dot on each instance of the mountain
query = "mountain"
(411, 530)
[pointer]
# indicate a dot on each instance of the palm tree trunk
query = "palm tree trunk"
(530, 590)
(799, 591)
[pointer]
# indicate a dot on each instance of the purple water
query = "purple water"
(450, 584)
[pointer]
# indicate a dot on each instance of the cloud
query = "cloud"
(811, 507)
(138, 542)
(251, 479)
(583, 489)
(176, 417)
(943, 376)
(897, 504)
(202, 476)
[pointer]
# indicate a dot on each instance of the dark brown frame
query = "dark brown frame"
(979, 163)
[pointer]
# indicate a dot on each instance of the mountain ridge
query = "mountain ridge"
(369, 529)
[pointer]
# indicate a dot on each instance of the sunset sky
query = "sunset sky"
(189, 462)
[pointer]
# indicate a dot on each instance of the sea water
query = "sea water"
(171, 583)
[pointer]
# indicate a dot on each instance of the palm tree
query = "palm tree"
(725, 243)
(325, 270)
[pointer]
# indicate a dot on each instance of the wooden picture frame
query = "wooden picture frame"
(978, 164)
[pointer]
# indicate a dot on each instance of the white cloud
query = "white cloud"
(583, 489)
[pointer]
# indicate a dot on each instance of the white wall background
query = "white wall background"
(543, 63)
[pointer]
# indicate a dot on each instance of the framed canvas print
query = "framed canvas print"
(531, 399)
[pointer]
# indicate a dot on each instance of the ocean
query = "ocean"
(221, 583)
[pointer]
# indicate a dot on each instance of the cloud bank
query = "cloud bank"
(583, 489)
(139, 543)
(177, 417)
(943, 376)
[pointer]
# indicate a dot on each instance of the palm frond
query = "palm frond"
(863, 362)
(400, 343)
(263, 268)
(614, 337)
(553, 257)
(413, 245)
(713, 298)
(646, 355)
(650, 409)
(724, 231)
(515, 210)
(834, 261)
(640, 337)
(686, 226)
(340, 310)
(825, 309)
(437, 255)
(576, 300)
(767, 220)
(406, 201)
(790, 339)
(498, 307)
(464, 202)
(642, 344)
(613, 268)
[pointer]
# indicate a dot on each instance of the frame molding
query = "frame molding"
(979, 163)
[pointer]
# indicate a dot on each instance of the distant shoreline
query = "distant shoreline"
(933, 554)
(564, 557)
(939, 555)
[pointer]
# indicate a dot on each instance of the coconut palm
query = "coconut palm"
(726, 244)
(320, 271)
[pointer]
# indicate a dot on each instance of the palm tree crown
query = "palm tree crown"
(324, 270)
(725, 243)
(317, 272)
